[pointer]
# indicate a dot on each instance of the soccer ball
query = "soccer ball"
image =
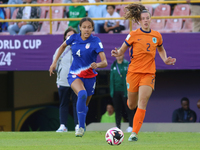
(114, 136)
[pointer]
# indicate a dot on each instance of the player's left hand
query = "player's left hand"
(115, 52)
(94, 65)
(170, 61)
(52, 68)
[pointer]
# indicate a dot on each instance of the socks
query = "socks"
(81, 108)
(138, 120)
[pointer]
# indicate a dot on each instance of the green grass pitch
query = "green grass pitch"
(95, 140)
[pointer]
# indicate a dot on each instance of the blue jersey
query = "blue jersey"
(84, 54)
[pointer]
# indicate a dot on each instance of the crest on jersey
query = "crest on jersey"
(73, 76)
(154, 40)
(87, 45)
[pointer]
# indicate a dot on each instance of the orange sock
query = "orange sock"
(138, 120)
(127, 103)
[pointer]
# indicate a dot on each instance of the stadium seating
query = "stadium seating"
(162, 10)
(182, 10)
(149, 8)
(62, 26)
(57, 1)
(57, 12)
(117, 8)
(121, 10)
(152, 5)
(187, 26)
(157, 24)
(134, 27)
(44, 12)
(45, 28)
(44, 1)
(172, 25)
(121, 13)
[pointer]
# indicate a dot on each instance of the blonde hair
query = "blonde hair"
(133, 11)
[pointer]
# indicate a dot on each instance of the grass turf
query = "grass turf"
(96, 141)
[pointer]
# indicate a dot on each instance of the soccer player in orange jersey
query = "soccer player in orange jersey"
(142, 44)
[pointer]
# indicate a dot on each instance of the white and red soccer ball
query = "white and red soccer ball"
(114, 136)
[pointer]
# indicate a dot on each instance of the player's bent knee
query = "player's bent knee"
(82, 95)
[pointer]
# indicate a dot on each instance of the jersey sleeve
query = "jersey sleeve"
(129, 39)
(160, 40)
(99, 46)
(70, 39)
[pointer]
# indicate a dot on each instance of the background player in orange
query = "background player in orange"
(141, 71)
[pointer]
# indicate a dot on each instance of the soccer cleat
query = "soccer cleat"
(133, 137)
(62, 129)
(79, 132)
(77, 127)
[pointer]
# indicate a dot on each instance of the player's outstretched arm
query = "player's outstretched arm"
(101, 64)
(163, 55)
(119, 52)
(60, 51)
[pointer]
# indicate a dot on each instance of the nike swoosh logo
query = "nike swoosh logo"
(80, 112)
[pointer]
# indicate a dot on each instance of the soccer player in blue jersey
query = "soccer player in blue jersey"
(82, 75)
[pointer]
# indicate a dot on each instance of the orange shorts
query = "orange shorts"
(134, 80)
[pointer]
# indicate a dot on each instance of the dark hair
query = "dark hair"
(134, 11)
(86, 19)
(113, 6)
(68, 30)
(184, 99)
(110, 103)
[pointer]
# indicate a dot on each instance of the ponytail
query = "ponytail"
(133, 11)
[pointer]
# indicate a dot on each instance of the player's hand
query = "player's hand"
(115, 53)
(93, 65)
(52, 68)
(170, 61)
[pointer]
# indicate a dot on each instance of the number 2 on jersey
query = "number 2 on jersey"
(148, 47)
(78, 53)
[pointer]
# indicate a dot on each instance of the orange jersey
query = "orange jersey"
(143, 50)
